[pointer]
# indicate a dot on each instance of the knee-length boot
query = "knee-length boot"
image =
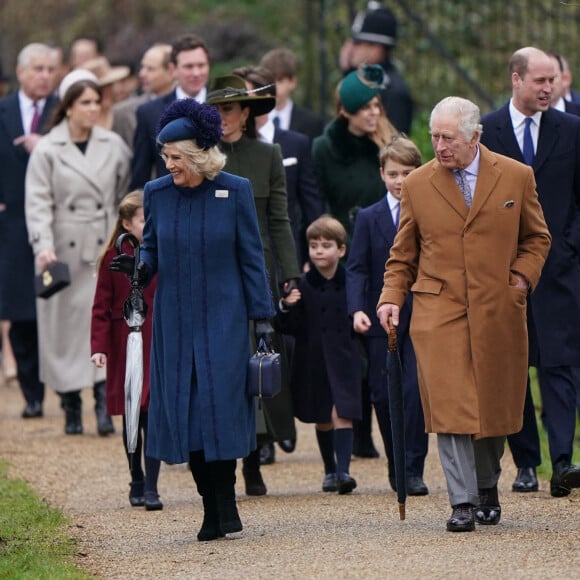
(71, 403)
(210, 527)
(252, 476)
(104, 423)
(223, 478)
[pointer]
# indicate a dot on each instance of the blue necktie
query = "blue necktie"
(276, 121)
(528, 143)
(397, 215)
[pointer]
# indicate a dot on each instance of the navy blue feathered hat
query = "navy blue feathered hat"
(187, 119)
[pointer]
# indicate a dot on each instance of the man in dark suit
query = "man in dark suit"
(373, 236)
(557, 100)
(190, 59)
(287, 115)
(24, 117)
(553, 142)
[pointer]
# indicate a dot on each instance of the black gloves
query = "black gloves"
(125, 264)
(263, 330)
(289, 285)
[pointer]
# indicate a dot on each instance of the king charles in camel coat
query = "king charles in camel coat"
(469, 323)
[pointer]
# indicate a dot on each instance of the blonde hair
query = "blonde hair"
(327, 227)
(127, 210)
(205, 162)
(385, 132)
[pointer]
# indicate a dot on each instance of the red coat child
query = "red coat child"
(109, 331)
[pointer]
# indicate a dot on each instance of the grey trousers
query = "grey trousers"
(469, 465)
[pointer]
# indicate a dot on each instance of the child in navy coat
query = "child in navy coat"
(326, 369)
(374, 232)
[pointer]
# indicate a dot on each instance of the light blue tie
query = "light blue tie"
(464, 186)
(528, 143)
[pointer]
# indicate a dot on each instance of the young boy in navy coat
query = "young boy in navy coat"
(374, 232)
(326, 367)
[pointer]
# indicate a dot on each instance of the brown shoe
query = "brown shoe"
(462, 518)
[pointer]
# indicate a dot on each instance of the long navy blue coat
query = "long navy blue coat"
(204, 244)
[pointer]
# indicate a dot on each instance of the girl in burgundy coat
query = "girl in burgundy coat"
(109, 333)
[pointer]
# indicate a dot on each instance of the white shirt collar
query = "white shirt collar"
(283, 114)
(267, 131)
(200, 97)
(26, 105)
(392, 201)
(519, 118)
(560, 105)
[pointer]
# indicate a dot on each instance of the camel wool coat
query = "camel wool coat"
(469, 321)
(71, 206)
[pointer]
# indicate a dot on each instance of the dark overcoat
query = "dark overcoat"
(555, 304)
(347, 168)
(17, 299)
(326, 365)
(469, 320)
(204, 244)
(109, 331)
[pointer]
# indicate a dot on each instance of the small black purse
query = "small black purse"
(53, 279)
(264, 373)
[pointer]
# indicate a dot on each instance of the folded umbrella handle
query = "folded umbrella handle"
(136, 251)
(392, 337)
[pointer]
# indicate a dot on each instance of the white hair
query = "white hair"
(467, 113)
(32, 50)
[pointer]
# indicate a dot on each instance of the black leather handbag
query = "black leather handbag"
(53, 279)
(264, 373)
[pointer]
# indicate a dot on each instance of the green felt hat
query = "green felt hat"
(232, 89)
(360, 86)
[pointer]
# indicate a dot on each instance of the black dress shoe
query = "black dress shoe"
(462, 518)
(416, 486)
(345, 483)
(267, 454)
(32, 410)
(488, 512)
(525, 480)
(565, 477)
(287, 445)
(366, 450)
(329, 482)
(152, 502)
(136, 495)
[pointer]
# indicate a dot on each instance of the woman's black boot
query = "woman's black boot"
(104, 422)
(210, 527)
(223, 477)
(252, 476)
(71, 403)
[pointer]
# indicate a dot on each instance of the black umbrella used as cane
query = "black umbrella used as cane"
(396, 407)
(134, 312)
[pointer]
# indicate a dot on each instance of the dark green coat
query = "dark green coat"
(261, 163)
(347, 167)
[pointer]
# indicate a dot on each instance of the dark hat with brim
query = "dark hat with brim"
(377, 25)
(360, 86)
(232, 89)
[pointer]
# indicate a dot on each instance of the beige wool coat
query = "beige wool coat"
(469, 323)
(71, 205)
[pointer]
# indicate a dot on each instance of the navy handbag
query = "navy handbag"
(264, 373)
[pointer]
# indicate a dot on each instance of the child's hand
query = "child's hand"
(361, 322)
(99, 359)
(292, 299)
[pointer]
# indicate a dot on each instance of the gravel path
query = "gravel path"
(296, 531)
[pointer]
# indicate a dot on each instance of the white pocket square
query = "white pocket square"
(289, 161)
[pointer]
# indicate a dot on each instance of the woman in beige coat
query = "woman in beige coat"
(75, 178)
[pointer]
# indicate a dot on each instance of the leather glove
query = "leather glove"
(124, 264)
(289, 285)
(263, 330)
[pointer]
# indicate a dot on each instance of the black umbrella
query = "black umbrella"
(134, 311)
(396, 406)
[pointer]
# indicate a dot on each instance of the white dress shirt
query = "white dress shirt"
(519, 122)
(27, 110)
(283, 115)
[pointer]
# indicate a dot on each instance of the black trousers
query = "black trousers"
(24, 340)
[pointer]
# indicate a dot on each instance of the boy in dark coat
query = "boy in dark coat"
(326, 369)
(374, 232)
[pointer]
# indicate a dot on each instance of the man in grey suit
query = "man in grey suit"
(156, 77)
(24, 116)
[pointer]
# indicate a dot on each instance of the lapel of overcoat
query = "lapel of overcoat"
(547, 138)
(383, 222)
(90, 165)
(444, 182)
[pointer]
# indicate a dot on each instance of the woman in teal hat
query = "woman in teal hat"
(346, 159)
(346, 155)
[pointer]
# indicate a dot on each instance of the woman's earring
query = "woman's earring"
(244, 128)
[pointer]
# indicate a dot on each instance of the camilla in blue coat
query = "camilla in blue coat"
(202, 239)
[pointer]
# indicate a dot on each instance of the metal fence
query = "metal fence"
(458, 47)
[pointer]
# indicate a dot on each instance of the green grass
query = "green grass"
(33, 536)
(545, 470)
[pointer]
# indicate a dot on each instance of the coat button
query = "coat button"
(99, 205)
(72, 244)
(100, 242)
(71, 207)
